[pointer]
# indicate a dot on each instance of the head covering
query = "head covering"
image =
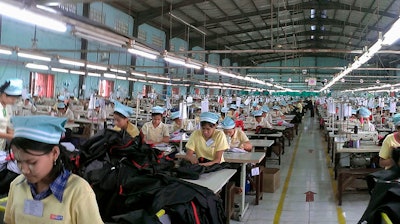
(233, 107)
(265, 109)
(364, 112)
(353, 111)
(228, 123)
(46, 129)
(224, 110)
(61, 98)
(15, 87)
(255, 104)
(60, 105)
(122, 109)
(276, 107)
(209, 117)
(257, 113)
(157, 110)
(97, 104)
(396, 119)
(27, 97)
(175, 115)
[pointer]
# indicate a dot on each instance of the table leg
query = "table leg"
(243, 205)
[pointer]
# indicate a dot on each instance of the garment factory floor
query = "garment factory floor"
(305, 168)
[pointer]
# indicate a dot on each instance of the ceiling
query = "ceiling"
(253, 32)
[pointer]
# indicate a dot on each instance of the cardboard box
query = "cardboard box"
(271, 179)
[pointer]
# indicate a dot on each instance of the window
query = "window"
(106, 87)
(175, 90)
(147, 90)
(97, 16)
(121, 26)
(142, 35)
(68, 7)
(157, 41)
(42, 84)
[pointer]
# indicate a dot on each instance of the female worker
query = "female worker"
(121, 119)
(46, 191)
(207, 142)
(236, 137)
(155, 131)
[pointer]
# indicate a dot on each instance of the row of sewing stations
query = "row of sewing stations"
(353, 149)
(262, 143)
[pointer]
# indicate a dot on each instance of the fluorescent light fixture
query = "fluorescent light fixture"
(93, 74)
(71, 62)
(77, 72)
(142, 54)
(224, 73)
(118, 71)
(132, 79)
(120, 77)
(46, 8)
(143, 51)
(138, 74)
(97, 67)
(211, 70)
(6, 51)
(19, 12)
(99, 35)
(158, 77)
(392, 35)
(174, 60)
(59, 70)
(193, 64)
(108, 75)
(33, 56)
(37, 66)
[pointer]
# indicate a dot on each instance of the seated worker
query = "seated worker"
(224, 111)
(232, 112)
(155, 131)
(28, 108)
(279, 116)
(260, 122)
(46, 191)
(121, 119)
(236, 137)
(177, 124)
(391, 142)
(207, 142)
(98, 115)
(63, 111)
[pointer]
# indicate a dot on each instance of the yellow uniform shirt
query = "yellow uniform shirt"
(131, 129)
(238, 138)
(208, 149)
(388, 145)
(155, 134)
(78, 204)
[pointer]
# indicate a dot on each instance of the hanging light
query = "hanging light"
(361, 80)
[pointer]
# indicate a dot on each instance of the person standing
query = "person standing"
(207, 142)
(46, 191)
(10, 91)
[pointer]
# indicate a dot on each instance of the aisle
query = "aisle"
(307, 172)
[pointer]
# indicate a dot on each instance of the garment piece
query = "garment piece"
(198, 144)
(79, 204)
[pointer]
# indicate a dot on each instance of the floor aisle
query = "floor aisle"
(304, 169)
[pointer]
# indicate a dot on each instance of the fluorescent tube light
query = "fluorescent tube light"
(19, 12)
(77, 72)
(118, 71)
(108, 75)
(37, 66)
(94, 74)
(142, 53)
(138, 74)
(59, 70)
(120, 77)
(5, 51)
(33, 56)
(97, 67)
(211, 70)
(71, 62)
(157, 77)
(100, 35)
(176, 61)
(392, 35)
(132, 79)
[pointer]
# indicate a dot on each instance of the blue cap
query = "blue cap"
(364, 112)
(15, 87)
(255, 104)
(241, 105)
(224, 109)
(276, 107)
(175, 115)
(28, 96)
(353, 111)
(61, 98)
(97, 104)
(122, 109)
(228, 123)
(233, 106)
(40, 128)
(209, 117)
(257, 113)
(60, 105)
(265, 109)
(396, 119)
(157, 110)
